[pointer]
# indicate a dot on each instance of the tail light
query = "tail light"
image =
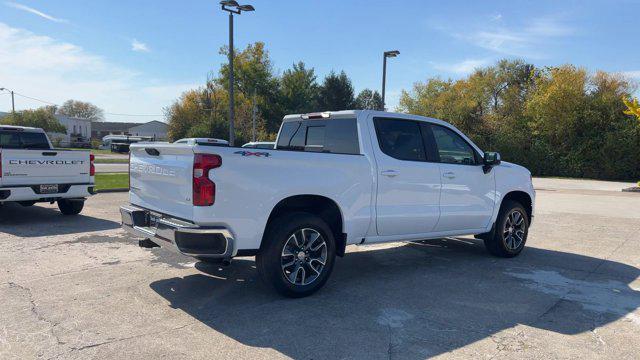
(92, 166)
(204, 190)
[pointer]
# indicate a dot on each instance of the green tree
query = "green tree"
(81, 110)
(336, 92)
(39, 118)
(368, 100)
(299, 89)
(253, 74)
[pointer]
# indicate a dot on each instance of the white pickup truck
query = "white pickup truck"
(32, 171)
(333, 179)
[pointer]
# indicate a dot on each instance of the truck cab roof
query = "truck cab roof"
(20, 128)
(327, 115)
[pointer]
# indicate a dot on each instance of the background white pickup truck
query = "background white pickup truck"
(335, 178)
(32, 171)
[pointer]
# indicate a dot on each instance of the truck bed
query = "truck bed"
(248, 185)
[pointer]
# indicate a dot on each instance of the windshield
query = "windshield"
(23, 140)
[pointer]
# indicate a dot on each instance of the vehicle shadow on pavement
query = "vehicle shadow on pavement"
(414, 301)
(34, 221)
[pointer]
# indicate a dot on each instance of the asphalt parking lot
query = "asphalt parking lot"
(78, 287)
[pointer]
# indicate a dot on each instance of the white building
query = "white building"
(156, 129)
(78, 131)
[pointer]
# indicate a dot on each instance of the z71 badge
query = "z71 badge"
(253, 153)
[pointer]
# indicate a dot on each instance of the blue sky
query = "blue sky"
(135, 57)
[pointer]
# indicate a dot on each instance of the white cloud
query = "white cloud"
(528, 40)
(463, 67)
(52, 70)
(496, 17)
(632, 74)
(139, 46)
(34, 11)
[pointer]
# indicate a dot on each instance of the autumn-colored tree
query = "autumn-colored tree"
(633, 108)
(204, 112)
(81, 110)
(560, 121)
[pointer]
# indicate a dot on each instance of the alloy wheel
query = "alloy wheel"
(304, 256)
(514, 230)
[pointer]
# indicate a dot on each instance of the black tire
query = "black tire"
(270, 260)
(70, 207)
(503, 242)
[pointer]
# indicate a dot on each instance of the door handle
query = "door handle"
(389, 173)
(449, 175)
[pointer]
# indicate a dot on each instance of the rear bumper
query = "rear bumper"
(30, 192)
(178, 235)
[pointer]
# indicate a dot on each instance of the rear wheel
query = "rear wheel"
(510, 231)
(70, 207)
(297, 255)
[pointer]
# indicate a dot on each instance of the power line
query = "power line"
(32, 98)
(106, 113)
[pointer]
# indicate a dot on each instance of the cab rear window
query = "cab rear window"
(336, 136)
(11, 139)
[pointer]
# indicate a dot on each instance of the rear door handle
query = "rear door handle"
(449, 175)
(389, 173)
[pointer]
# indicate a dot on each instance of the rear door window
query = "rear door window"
(337, 136)
(400, 139)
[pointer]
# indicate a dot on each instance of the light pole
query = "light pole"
(232, 7)
(387, 54)
(13, 103)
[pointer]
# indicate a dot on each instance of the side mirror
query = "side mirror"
(492, 158)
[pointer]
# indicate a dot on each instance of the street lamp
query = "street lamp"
(387, 54)
(13, 103)
(232, 7)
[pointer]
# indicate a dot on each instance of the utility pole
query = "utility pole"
(13, 101)
(253, 117)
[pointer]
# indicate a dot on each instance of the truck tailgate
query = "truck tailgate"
(161, 178)
(37, 167)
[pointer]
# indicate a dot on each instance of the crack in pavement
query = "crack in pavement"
(34, 311)
(94, 345)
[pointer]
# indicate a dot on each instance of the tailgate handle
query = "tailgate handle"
(49, 153)
(152, 151)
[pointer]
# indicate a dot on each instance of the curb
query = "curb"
(112, 190)
(632, 189)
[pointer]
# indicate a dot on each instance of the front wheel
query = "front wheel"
(297, 255)
(510, 231)
(70, 207)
